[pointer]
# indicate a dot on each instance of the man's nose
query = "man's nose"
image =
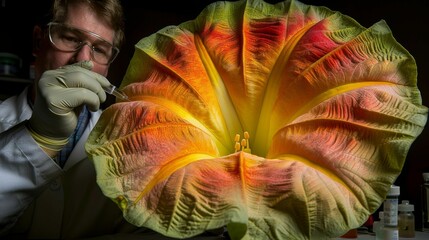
(84, 53)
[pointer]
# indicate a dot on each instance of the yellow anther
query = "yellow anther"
(243, 144)
(237, 137)
(246, 135)
(237, 146)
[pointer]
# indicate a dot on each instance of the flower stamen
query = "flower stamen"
(237, 144)
(237, 147)
(244, 144)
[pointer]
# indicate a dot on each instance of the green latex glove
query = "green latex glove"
(60, 95)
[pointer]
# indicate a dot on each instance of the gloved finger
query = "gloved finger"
(63, 95)
(87, 65)
(68, 99)
(84, 64)
(83, 79)
(71, 76)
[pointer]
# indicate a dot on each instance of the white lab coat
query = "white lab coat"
(39, 199)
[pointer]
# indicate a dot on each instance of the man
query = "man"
(47, 184)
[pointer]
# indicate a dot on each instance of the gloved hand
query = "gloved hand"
(60, 95)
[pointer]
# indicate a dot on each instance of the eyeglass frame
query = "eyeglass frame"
(115, 50)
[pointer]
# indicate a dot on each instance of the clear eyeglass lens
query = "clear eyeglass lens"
(71, 39)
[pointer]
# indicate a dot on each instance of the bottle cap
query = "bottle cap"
(393, 191)
(405, 206)
(426, 177)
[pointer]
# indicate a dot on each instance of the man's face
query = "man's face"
(80, 16)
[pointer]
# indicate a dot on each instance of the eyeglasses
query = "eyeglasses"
(71, 39)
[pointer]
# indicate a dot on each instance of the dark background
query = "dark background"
(408, 21)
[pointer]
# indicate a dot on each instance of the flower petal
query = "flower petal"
(331, 109)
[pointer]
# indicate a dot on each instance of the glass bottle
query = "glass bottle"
(406, 224)
(378, 226)
(390, 209)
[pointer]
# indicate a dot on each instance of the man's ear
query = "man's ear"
(37, 39)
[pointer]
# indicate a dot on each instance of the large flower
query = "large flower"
(279, 121)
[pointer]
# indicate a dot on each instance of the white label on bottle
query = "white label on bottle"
(391, 212)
